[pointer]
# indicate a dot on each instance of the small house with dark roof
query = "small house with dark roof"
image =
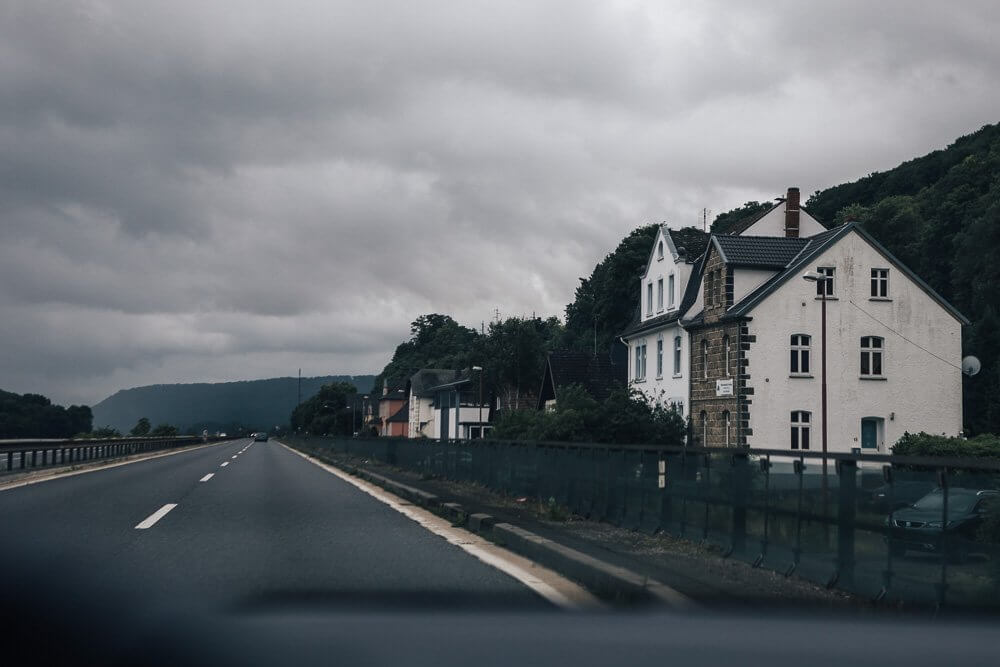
(597, 374)
(420, 398)
(461, 411)
(393, 398)
(893, 346)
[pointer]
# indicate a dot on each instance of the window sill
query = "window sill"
(659, 377)
(659, 312)
(879, 298)
(829, 298)
(801, 376)
(639, 381)
(677, 376)
(877, 378)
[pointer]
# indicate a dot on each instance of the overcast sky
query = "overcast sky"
(197, 191)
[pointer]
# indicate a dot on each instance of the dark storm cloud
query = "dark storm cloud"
(198, 191)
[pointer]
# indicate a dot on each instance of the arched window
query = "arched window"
(704, 428)
(704, 359)
(800, 429)
(727, 422)
(799, 364)
(659, 250)
(725, 349)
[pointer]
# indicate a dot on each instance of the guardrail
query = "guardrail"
(24, 455)
(768, 507)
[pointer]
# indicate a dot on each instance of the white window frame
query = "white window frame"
(728, 422)
(649, 298)
(801, 350)
(638, 355)
(670, 292)
(659, 295)
(643, 361)
(704, 359)
(678, 349)
(870, 352)
(659, 356)
(830, 285)
(880, 283)
(801, 423)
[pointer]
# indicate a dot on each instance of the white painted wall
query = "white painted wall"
(457, 428)
(920, 393)
(658, 269)
(421, 410)
(747, 280)
(773, 224)
(668, 387)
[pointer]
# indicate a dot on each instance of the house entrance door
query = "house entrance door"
(869, 433)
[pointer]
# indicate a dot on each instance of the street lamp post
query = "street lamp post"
(480, 370)
(822, 282)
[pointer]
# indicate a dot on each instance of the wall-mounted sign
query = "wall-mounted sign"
(723, 387)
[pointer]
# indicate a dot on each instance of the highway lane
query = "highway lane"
(252, 526)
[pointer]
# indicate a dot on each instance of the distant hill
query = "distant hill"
(255, 404)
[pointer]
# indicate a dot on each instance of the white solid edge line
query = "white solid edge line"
(224, 464)
(431, 522)
(155, 516)
(207, 477)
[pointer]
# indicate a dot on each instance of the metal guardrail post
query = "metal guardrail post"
(888, 478)
(765, 467)
(740, 490)
(799, 467)
(847, 474)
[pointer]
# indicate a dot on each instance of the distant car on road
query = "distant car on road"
(919, 527)
(260, 437)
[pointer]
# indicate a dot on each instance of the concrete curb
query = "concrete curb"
(607, 581)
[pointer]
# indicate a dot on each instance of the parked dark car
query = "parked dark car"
(919, 527)
(902, 494)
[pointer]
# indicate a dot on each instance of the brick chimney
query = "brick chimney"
(792, 213)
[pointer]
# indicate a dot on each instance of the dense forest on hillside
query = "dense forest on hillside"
(34, 416)
(939, 214)
(252, 405)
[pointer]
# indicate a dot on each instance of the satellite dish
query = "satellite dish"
(971, 365)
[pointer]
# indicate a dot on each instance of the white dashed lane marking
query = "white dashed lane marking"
(149, 521)
(224, 464)
(207, 477)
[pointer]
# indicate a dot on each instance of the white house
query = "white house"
(657, 343)
(421, 400)
(893, 345)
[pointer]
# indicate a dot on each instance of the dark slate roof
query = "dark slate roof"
(693, 240)
(426, 378)
(636, 326)
(595, 373)
(766, 252)
(401, 415)
(395, 394)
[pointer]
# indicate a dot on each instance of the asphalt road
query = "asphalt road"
(267, 530)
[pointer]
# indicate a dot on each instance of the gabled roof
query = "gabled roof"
(691, 239)
(770, 252)
(595, 373)
(746, 223)
(401, 415)
(636, 326)
(817, 245)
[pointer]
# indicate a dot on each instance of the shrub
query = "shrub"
(986, 445)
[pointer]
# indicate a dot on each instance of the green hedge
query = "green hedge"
(986, 445)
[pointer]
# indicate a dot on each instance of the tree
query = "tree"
(328, 412)
(436, 341)
(724, 222)
(141, 428)
(164, 430)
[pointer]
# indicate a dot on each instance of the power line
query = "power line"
(917, 345)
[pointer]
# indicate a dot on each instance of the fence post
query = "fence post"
(740, 490)
(847, 472)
